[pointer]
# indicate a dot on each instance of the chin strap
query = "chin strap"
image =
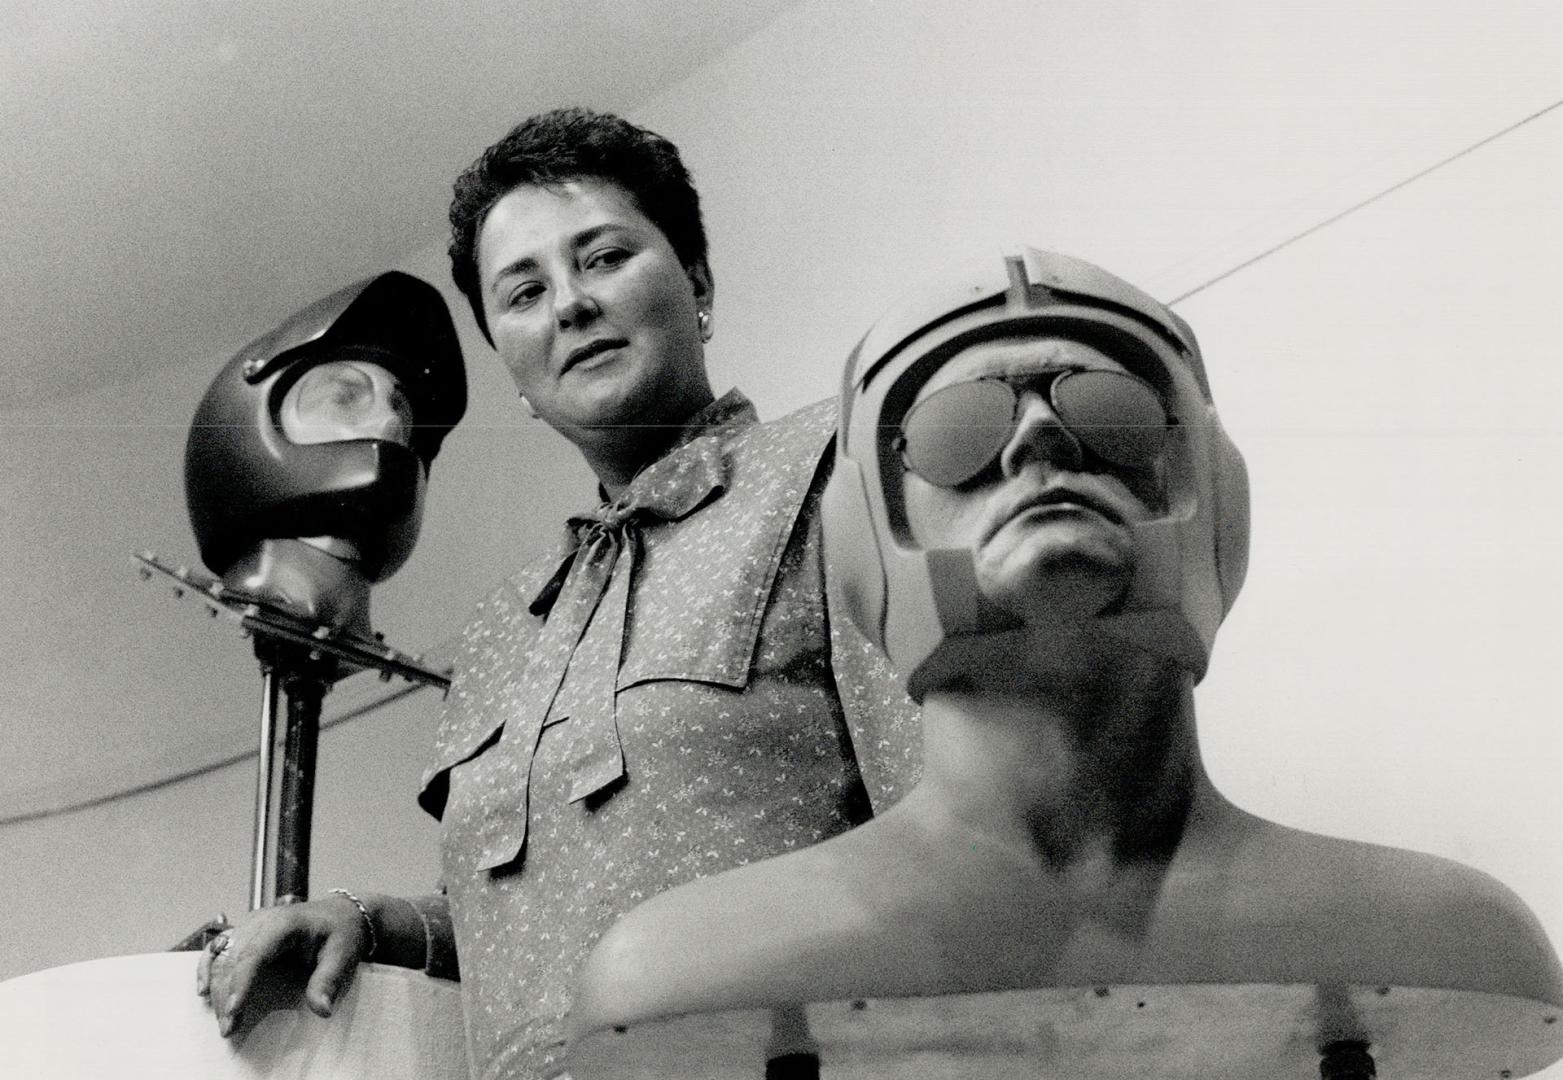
(1148, 616)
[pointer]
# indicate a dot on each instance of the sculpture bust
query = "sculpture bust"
(1037, 514)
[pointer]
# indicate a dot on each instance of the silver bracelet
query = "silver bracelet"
(363, 912)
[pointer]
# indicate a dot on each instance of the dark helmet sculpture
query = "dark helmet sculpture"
(247, 483)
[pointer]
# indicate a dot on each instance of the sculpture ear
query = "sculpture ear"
(855, 571)
(1231, 513)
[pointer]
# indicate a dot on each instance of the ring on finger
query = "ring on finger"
(219, 944)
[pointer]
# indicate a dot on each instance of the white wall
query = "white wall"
(1388, 673)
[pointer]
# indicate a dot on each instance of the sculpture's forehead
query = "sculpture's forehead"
(1018, 356)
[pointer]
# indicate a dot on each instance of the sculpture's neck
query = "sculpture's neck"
(1099, 763)
(317, 579)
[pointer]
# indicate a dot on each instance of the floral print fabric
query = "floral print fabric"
(727, 719)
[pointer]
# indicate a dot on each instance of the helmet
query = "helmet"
(920, 605)
(246, 482)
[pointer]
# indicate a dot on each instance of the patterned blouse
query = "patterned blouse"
(662, 698)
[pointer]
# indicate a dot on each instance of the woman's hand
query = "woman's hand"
(271, 956)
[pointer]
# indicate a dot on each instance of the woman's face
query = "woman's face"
(1046, 524)
(592, 312)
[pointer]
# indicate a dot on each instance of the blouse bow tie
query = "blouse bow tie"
(590, 589)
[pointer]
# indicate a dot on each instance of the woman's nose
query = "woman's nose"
(573, 305)
(1040, 437)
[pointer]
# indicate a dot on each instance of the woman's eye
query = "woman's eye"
(607, 259)
(523, 295)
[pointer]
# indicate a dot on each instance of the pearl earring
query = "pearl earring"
(703, 317)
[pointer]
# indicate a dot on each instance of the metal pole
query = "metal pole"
(295, 809)
(270, 691)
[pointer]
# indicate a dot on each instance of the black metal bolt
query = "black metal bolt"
(793, 1067)
(1346, 1060)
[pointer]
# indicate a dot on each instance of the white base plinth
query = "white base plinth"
(139, 1016)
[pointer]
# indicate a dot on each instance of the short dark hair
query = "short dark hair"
(573, 144)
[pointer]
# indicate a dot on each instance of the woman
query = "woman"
(658, 698)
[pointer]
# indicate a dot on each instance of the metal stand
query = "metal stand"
(295, 810)
(282, 822)
(261, 852)
(299, 660)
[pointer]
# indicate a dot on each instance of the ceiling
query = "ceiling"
(178, 173)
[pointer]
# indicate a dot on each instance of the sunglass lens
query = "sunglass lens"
(1117, 417)
(953, 434)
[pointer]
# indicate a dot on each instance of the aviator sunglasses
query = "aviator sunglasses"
(954, 434)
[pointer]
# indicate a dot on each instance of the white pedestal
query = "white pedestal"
(139, 1016)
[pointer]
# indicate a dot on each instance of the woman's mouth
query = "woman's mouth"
(584, 354)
